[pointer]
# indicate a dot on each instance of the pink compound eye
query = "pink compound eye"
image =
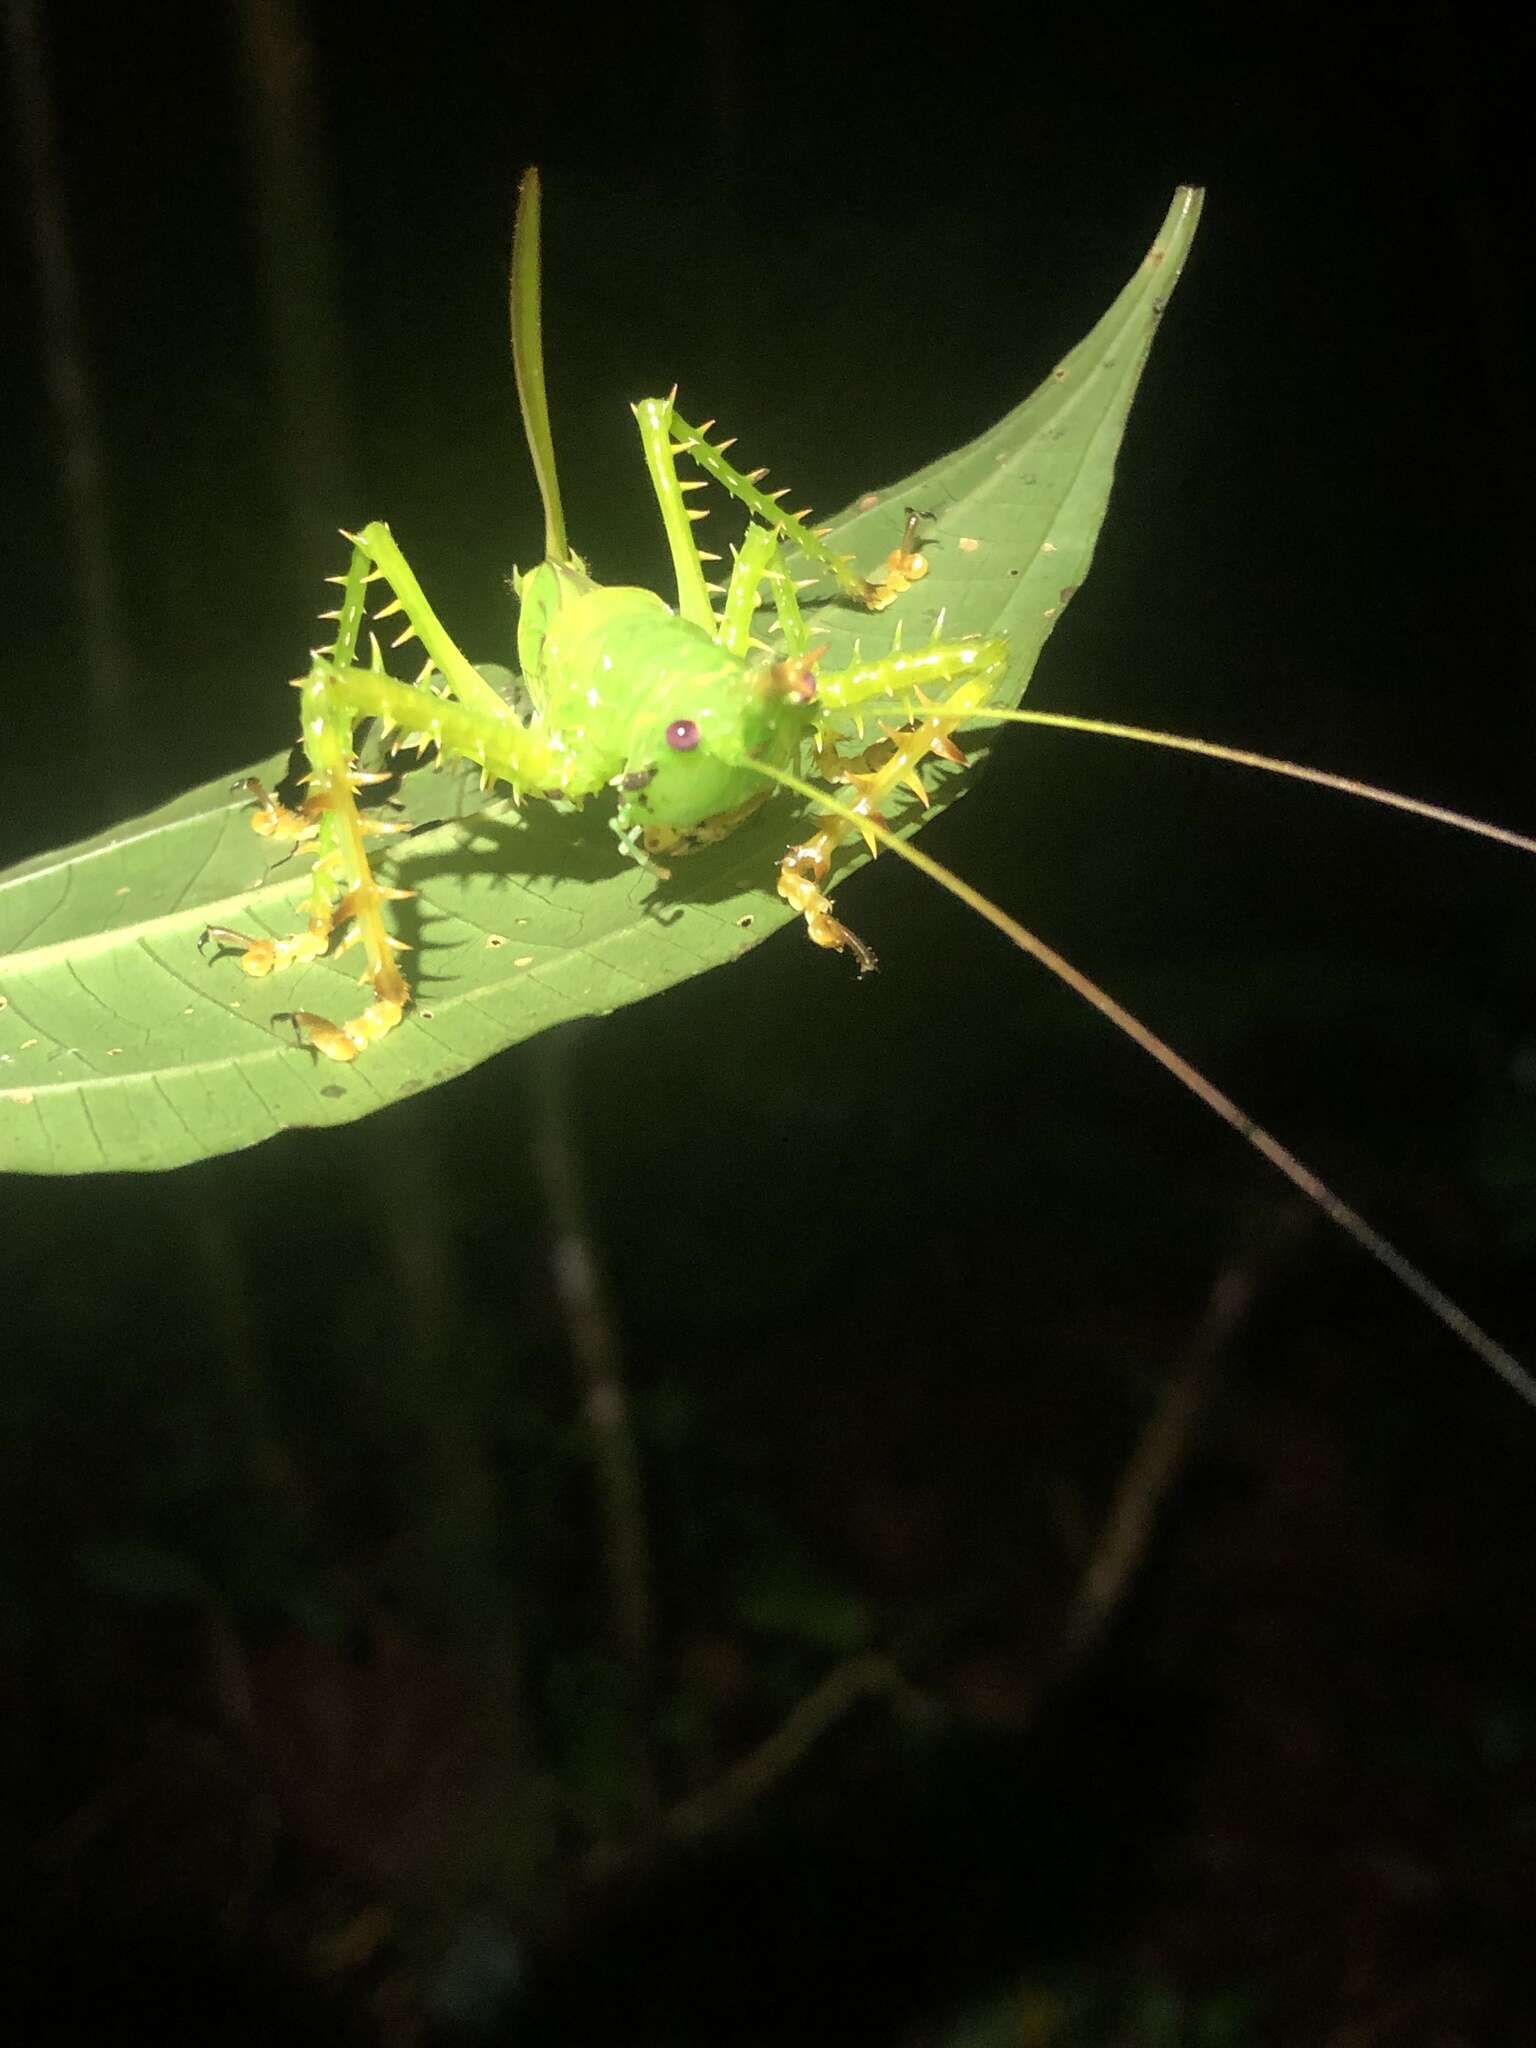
(682, 735)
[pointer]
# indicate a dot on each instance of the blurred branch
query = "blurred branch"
(1148, 1479)
(597, 1359)
(1154, 1467)
(67, 374)
(867, 1676)
(291, 214)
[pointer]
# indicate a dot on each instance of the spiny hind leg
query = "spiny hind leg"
(902, 567)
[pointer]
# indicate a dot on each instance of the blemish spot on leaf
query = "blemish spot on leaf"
(123, 891)
(27, 1044)
(869, 501)
(333, 1092)
(425, 1015)
(967, 544)
(1047, 547)
(114, 1052)
(745, 922)
(524, 960)
(494, 941)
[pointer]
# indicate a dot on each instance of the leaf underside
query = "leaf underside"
(121, 1048)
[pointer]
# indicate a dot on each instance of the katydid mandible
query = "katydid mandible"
(693, 721)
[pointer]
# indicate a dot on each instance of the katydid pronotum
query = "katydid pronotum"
(694, 720)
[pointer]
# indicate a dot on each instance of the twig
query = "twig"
(1154, 1467)
(1148, 1479)
(67, 372)
(291, 217)
(597, 1359)
(867, 1676)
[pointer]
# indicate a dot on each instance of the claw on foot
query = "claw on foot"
(903, 566)
(801, 872)
(275, 821)
(259, 957)
(343, 1042)
(272, 820)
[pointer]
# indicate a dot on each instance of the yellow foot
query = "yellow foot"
(345, 1041)
(903, 566)
(801, 873)
(268, 956)
(272, 820)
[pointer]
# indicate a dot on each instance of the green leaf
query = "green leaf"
(122, 1048)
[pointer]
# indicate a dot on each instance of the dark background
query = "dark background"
(313, 1707)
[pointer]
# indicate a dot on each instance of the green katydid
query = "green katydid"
(679, 709)
(694, 721)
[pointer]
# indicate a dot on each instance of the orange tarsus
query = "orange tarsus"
(358, 906)
(343, 1042)
(800, 873)
(903, 566)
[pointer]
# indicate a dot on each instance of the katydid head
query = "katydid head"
(687, 778)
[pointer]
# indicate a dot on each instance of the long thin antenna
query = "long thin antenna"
(528, 362)
(1349, 1220)
(1240, 757)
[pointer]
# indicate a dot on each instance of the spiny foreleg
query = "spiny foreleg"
(343, 888)
(343, 893)
(460, 713)
(891, 764)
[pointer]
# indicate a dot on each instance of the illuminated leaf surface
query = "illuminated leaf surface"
(122, 1048)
